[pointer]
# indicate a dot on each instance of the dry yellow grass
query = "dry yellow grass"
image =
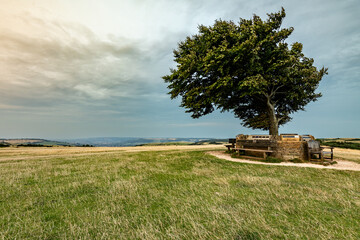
(169, 192)
(22, 153)
(347, 154)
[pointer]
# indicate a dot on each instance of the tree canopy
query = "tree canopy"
(246, 68)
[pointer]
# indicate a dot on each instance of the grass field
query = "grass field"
(347, 154)
(111, 194)
(349, 143)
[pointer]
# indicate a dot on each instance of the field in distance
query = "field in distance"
(350, 143)
(170, 192)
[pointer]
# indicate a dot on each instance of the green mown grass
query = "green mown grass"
(174, 195)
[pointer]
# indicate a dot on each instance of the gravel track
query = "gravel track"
(341, 164)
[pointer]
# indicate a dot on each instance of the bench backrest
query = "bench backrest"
(307, 137)
(232, 140)
(258, 137)
(290, 137)
(312, 144)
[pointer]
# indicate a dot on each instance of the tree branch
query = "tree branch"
(274, 91)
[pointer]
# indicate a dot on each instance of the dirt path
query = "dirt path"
(341, 164)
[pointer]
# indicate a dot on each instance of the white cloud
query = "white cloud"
(62, 59)
(6, 106)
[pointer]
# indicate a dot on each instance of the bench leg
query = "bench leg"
(332, 154)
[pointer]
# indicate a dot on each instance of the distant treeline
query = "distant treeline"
(33, 145)
(349, 145)
(342, 144)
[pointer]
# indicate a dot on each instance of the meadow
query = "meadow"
(169, 193)
(348, 143)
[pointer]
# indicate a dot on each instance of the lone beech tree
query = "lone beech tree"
(246, 68)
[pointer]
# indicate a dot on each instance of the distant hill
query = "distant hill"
(131, 141)
(21, 141)
(31, 142)
(107, 141)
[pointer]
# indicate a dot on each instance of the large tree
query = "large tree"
(246, 68)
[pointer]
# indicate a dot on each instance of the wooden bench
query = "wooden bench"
(264, 151)
(331, 152)
(231, 146)
(316, 150)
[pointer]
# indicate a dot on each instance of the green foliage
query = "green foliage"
(273, 160)
(296, 160)
(350, 145)
(32, 145)
(246, 68)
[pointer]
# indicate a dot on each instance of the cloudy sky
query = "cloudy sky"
(89, 68)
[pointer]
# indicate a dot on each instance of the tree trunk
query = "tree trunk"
(274, 126)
